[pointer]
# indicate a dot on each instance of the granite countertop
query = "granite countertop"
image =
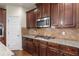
(4, 51)
(72, 43)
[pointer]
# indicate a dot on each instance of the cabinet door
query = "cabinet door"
(69, 19)
(31, 19)
(42, 49)
(30, 46)
(27, 20)
(68, 50)
(39, 10)
(77, 14)
(61, 15)
(67, 15)
(1, 20)
(52, 51)
(46, 9)
(27, 45)
(54, 14)
(36, 47)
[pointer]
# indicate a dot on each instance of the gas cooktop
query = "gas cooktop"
(44, 37)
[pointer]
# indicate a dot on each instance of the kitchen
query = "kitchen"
(40, 29)
(55, 30)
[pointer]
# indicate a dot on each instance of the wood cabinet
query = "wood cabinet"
(43, 10)
(3, 21)
(68, 50)
(27, 45)
(67, 15)
(39, 10)
(52, 52)
(55, 14)
(53, 49)
(46, 10)
(31, 19)
(36, 47)
(77, 14)
(43, 48)
(63, 15)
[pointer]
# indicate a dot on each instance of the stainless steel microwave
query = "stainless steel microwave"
(44, 22)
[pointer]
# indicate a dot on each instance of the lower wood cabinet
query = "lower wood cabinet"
(43, 48)
(69, 51)
(53, 49)
(52, 52)
(36, 47)
(28, 45)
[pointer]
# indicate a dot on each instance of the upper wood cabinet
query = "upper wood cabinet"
(39, 10)
(46, 9)
(63, 15)
(67, 15)
(77, 14)
(42, 48)
(31, 19)
(54, 14)
(43, 10)
(36, 47)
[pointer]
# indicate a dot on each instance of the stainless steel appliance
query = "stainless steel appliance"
(1, 30)
(44, 22)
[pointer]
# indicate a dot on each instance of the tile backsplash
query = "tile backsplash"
(71, 34)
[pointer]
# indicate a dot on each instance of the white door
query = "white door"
(14, 41)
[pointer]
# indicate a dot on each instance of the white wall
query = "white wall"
(23, 21)
(24, 16)
(14, 11)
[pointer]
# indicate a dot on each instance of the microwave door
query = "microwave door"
(46, 23)
(39, 24)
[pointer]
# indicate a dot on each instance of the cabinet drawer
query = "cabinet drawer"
(43, 42)
(52, 51)
(35, 41)
(42, 49)
(54, 45)
(69, 49)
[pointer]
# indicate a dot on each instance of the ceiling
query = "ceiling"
(24, 5)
